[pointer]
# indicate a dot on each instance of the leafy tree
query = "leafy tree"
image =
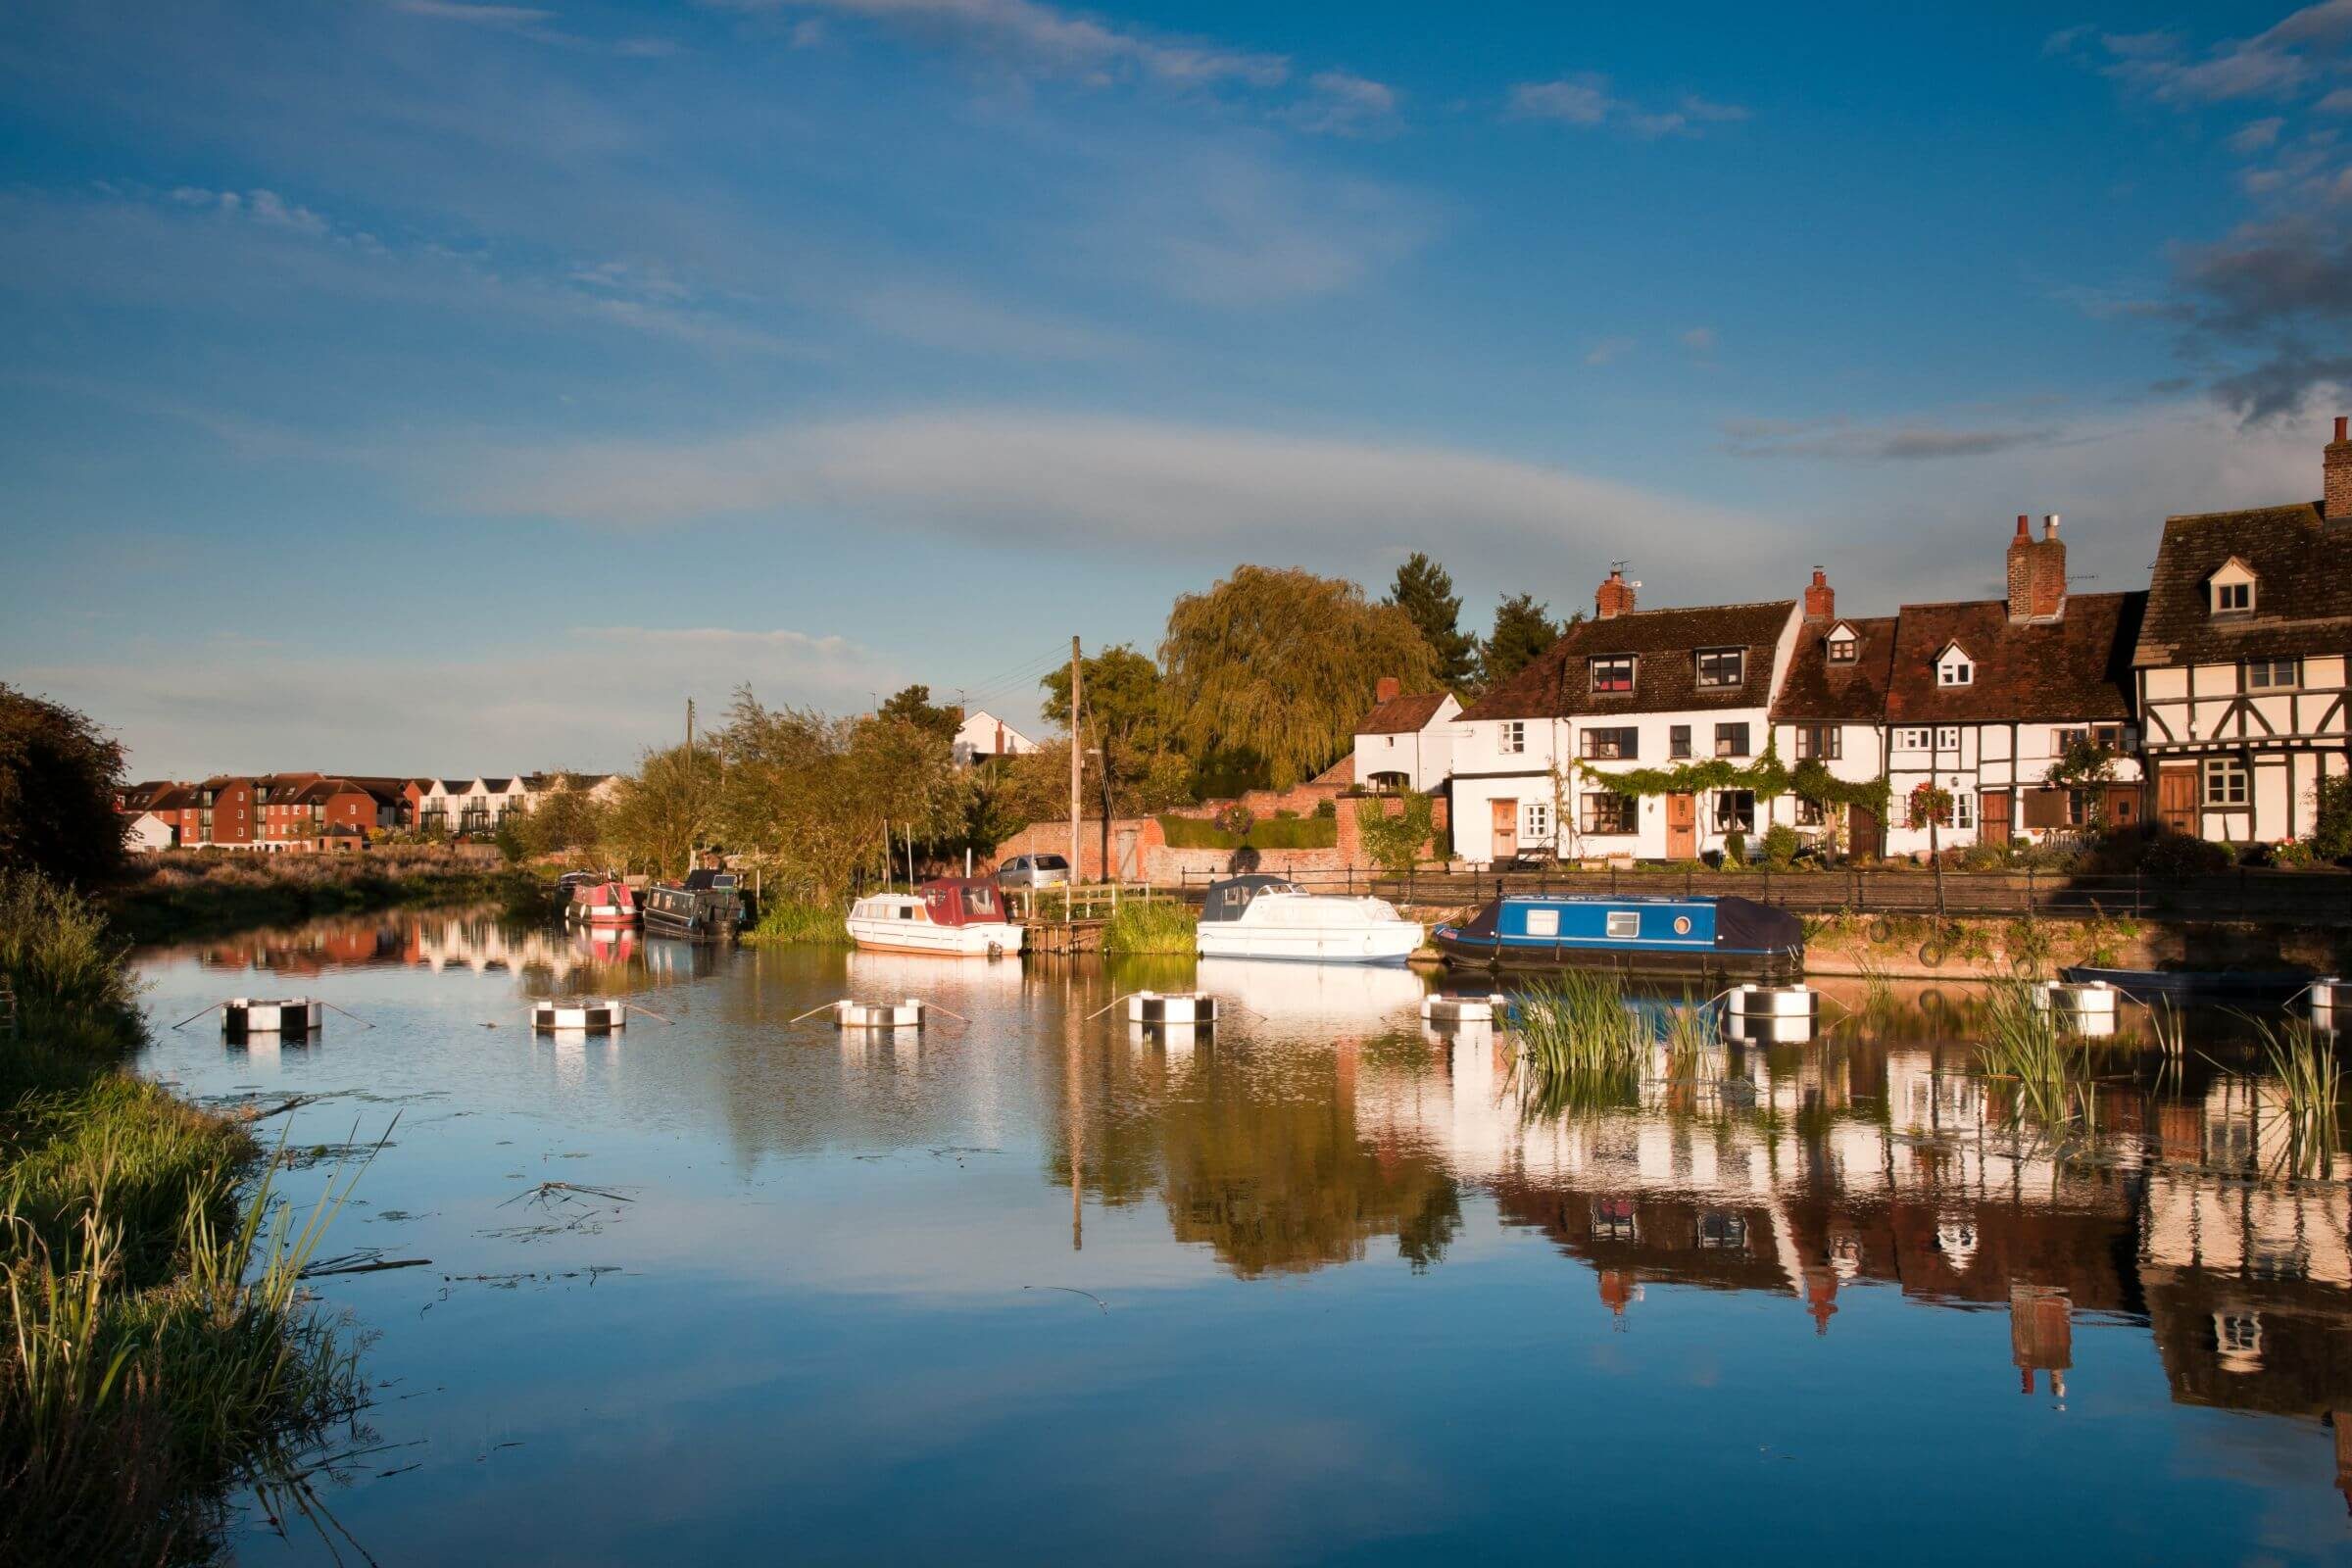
(1424, 590)
(1283, 662)
(666, 812)
(1523, 630)
(2084, 766)
(58, 774)
(2331, 822)
(1134, 761)
(1394, 841)
(913, 705)
(565, 818)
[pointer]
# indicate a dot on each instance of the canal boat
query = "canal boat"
(1267, 917)
(1727, 938)
(598, 901)
(953, 916)
(708, 907)
(2194, 985)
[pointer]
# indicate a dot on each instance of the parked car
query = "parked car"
(1034, 871)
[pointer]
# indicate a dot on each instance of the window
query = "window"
(1536, 826)
(2226, 782)
(1512, 738)
(1730, 740)
(1947, 739)
(1608, 811)
(2232, 597)
(1542, 922)
(1677, 742)
(1913, 740)
(1841, 650)
(1735, 810)
(1622, 925)
(1613, 674)
(1721, 666)
(2110, 736)
(1808, 813)
(1955, 673)
(2270, 674)
(1963, 809)
(1612, 745)
(1819, 743)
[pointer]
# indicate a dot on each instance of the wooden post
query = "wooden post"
(1077, 867)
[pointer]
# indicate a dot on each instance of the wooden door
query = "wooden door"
(1505, 831)
(1862, 836)
(1993, 817)
(2176, 798)
(2123, 806)
(1682, 827)
(1129, 869)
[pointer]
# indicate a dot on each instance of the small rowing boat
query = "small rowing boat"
(1730, 938)
(2194, 985)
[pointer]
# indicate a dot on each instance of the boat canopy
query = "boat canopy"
(1228, 899)
(962, 901)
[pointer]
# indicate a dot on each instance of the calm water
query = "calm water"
(1037, 1289)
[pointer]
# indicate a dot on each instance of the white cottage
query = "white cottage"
(1406, 742)
(1832, 710)
(1985, 695)
(1627, 690)
(149, 834)
(2241, 662)
(984, 735)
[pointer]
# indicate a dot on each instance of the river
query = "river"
(1036, 1287)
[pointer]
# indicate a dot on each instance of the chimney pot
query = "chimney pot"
(2342, 422)
(1821, 600)
(2050, 526)
(2023, 526)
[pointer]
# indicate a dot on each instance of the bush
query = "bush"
(1154, 925)
(1237, 820)
(1327, 810)
(1394, 841)
(1780, 846)
(804, 922)
(2178, 857)
(2331, 832)
(1734, 847)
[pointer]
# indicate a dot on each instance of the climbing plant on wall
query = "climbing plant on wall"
(1768, 778)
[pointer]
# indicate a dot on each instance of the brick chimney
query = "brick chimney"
(1615, 597)
(2339, 474)
(1384, 689)
(1821, 600)
(2037, 571)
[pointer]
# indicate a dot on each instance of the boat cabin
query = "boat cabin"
(963, 901)
(1230, 898)
(1655, 932)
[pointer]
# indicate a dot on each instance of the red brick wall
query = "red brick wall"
(1161, 864)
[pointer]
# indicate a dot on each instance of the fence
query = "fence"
(2296, 897)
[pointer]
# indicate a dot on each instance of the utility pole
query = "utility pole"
(690, 778)
(1075, 755)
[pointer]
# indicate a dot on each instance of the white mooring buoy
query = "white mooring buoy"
(588, 1017)
(289, 1017)
(2330, 1002)
(1771, 1015)
(908, 1015)
(1442, 1009)
(2086, 1007)
(1180, 1007)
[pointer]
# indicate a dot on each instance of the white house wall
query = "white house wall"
(2289, 739)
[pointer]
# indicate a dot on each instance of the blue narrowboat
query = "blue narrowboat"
(1644, 933)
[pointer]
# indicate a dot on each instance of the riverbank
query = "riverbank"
(188, 894)
(159, 1348)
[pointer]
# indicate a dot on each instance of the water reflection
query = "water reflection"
(1322, 1144)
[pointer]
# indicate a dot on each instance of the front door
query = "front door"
(1993, 817)
(1862, 838)
(1506, 830)
(1682, 827)
(2123, 805)
(2176, 798)
(1129, 871)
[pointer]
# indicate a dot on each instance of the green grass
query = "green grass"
(1274, 833)
(788, 922)
(1157, 925)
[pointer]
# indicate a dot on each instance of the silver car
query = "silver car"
(1034, 871)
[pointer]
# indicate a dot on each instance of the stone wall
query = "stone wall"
(1158, 862)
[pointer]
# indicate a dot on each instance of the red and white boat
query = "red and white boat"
(953, 916)
(607, 902)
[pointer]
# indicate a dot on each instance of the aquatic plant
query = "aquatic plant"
(1153, 925)
(2311, 1084)
(791, 922)
(1577, 1044)
(2024, 1043)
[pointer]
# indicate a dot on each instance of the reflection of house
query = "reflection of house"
(1627, 690)
(983, 735)
(1405, 742)
(2241, 662)
(1984, 697)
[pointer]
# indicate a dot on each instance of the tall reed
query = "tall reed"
(2024, 1042)
(1153, 925)
(1577, 1044)
(2311, 1083)
(800, 922)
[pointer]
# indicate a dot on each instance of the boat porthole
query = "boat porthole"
(1682, 925)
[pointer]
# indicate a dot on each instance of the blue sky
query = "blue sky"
(430, 387)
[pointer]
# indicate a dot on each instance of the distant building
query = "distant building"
(1405, 742)
(984, 735)
(148, 833)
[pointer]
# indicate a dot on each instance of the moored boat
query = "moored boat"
(708, 907)
(2193, 985)
(952, 917)
(603, 902)
(1267, 917)
(1731, 938)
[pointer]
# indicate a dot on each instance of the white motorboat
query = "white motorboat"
(1267, 917)
(954, 918)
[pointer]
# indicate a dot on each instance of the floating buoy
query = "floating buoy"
(1441, 1008)
(1182, 1008)
(2330, 1002)
(589, 1017)
(907, 1014)
(289, 1018)
(2088, 1007)
(1771, 1015)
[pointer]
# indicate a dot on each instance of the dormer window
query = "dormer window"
(2232, 588)
(1719, 667)
(1953, 668)
(1613, 672)
(1842, 646)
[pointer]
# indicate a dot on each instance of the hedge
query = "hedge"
(1275, 833)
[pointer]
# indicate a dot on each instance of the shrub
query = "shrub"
(1393, 841)
(1327, 810)
(787, 922)
(2180, 856)
(2331, 832)
(1780, 846)
(1734, 847)
(1153, 925)
(1236, 819)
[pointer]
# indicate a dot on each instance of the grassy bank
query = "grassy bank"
(798, 923)
(197, 893)
(1157, 925)
(158, 1348)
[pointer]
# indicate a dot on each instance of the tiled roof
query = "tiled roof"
(173, 797)
(1402, 715)
(2302, 589)
(456, 786)
(2079, 666)
(1854, 692)
(496, 786)
(1665, 644)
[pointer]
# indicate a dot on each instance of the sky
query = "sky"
(439, 387)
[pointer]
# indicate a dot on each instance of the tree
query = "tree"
(562, 819)
(1523, 630)
(2084, 768)
(664, 813)
(1394, 841)
(913, 705)
(58, 777)
(1136, 764)
(2332, 817)
(1424, 590)
(1283, 662)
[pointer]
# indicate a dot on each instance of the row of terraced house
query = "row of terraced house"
(2220, 690)
(310, 812)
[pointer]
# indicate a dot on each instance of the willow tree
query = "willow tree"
(666, 812)
(1279, 664)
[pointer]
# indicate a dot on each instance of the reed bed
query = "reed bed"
(2025, 1045)
(800, 922)
(1153, 925)
(2310, 1087)
(1577, 1044)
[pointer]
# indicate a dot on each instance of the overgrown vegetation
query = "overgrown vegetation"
(2310, 1088)
(187, 892)
(800, 922)
(1149, 925)
(1394, 839)
(58, 774)
(1578, 1045)
(2025, 1045)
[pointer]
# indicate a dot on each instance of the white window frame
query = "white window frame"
(1948, 737)
(1955, 673)
(1542, 922)
(1914, 737)
(1510, 737)
(1964, 809)
(1843, 650)
(2224, 592)
(1535, 822)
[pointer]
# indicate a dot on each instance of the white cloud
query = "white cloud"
(2277, 63)
(1041, 38)
(2339, 102)
(1608, 351)
(2255, 136)
(1340, 103)
(1586, 99)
